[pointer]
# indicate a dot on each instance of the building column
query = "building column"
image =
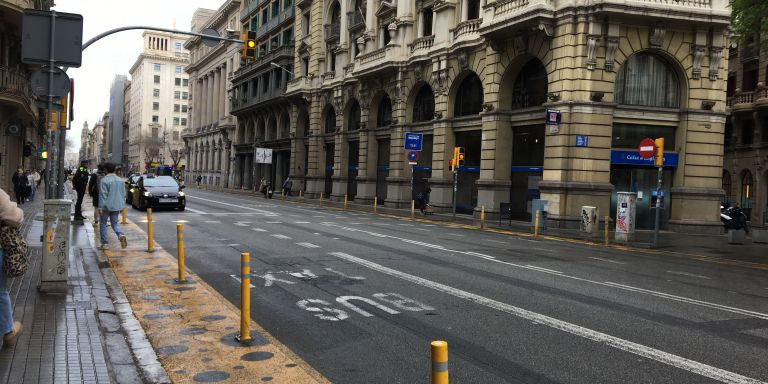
(223, 92)
(196, 96)
(215, 96)
(204, 102)
(209, 99)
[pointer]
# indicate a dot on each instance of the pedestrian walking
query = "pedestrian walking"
(29, 191)
(93, 190)
(35, 182)
(20, 183)
(287, 186)
(199, 179)
(111, 203)
(10, 215)
(80, 182)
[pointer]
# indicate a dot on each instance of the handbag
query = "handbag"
(16, 260)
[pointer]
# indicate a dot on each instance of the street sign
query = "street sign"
(582, 141)
(413, 157)
(39, 82)
(413, 141)
(647, 148)
(553, 116)
(36, 38)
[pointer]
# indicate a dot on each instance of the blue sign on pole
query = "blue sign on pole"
(633, 158)
(413, 141)
(582, 141)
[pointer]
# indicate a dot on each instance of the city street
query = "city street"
(359, 297)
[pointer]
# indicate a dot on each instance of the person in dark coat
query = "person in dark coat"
(20, 184)
(80, 182)
(93, 190)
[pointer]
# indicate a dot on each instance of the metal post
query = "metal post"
(375, 204)
(605, 222)
(658, 209)
(51, 189)
(150, 243)
(413, 209)
(439, 362)
(482, 217)
(455, 189)
(180, 247)
(536, 225)
(125, 220)
(245, 299)
(345, 201)
(321, 199)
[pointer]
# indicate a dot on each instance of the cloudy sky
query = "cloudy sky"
(116, 54)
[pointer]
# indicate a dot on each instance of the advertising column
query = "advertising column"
(625, 216)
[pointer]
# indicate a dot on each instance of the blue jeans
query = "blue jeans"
(112, 216)
(6, 311)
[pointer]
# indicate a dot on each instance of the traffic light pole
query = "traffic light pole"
(455, 188)
(51, 187)
(658, 209)
(132, 27)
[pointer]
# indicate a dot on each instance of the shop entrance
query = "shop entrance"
(469, 173)
(329, 152)
(354, 153)
(642, 180)
(382, 169)
(527, 169)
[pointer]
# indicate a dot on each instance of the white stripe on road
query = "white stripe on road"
(258, 230)
(195, 211)
(308, 245)
(603, 338)
(279, 236)
(302, 222)
(608, 260)
(261, 211)
(679, 273)
(213, 222)
(274, 222)
(239, 280)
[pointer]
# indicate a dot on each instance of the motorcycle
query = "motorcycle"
(733, 217)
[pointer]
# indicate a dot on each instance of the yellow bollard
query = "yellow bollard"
(605, 221)
(321, 199)
(375, 204)
(150, 242)
(482, 217)
(245, 299)
(301, 193)
(180, 246)
(413, 209)
(125, 219)
(345, 201)
(536, 225)
(439, 362)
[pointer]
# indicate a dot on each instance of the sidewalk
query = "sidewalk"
(714, 248)
(75, 337)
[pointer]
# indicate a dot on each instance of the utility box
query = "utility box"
(625, 216)
(56, 240)
(542, 206)
(589, 220)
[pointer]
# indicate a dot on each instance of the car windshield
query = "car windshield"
(161, 181)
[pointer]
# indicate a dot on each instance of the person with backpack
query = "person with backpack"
(20, 184)
(80, 182)
(287, 186)
(93, 190)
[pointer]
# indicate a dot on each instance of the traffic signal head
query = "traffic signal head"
(659, 160)
(462, 155)
(43, 154)
(249, 45)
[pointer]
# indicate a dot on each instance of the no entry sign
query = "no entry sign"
(647, 148)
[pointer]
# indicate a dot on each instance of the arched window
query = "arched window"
(469, 97)
(747, 190)
(330, 120)
(353, 118)
(727, 186)
(286, 126)
(272, 126)
(384, 116)
(424, 104)
(648, 80)
(530, 87)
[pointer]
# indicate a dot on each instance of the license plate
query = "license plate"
(169, 200)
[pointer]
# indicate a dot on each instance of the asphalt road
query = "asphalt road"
(359, 297)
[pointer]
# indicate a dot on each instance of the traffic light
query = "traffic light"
(43, 153)
(248, 51)
(27, 150)
(659, 160)
(462, 155)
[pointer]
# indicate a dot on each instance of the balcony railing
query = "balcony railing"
(332, 31)
(741, 98)
(14, 82)
(328, 75)
(467, 28)
(508, 6)
(355, 20)
(422, 43)
(249, 8)
(367, 58)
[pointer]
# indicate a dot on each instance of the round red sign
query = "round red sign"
(647, 148)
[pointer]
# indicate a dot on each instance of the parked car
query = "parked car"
(158, 192)
(130, 184)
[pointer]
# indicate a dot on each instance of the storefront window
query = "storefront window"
(469, 97)
(647, 80)
(630, 135)
(727, 187)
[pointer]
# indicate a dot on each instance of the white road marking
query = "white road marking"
(274, 222)
(342, 274)
(406, 225)
(239, 280)
(195, 210)
(308, 245)
(222, 239)
(180, 221)
(423, 229)
(279, 236)
(213, 222)
(355, 223)
(258, 230)
(335, 238)
(242, 223)
(270, 279)
(302, 222)
(599, 337)
(316, 233)
(232, 245)
(558, 273)
(688, 274)
(318, 216)
(608, 260)
(261, 211)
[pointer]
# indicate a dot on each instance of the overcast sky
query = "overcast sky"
(116, 54)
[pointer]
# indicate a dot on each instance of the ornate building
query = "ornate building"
(481, 75)
(745, 169)
(209, 138)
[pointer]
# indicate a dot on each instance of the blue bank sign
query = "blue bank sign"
(633, 158)
(413, 141)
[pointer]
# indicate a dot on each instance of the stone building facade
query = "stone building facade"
(745, 169)
(482, 75)
(209, 137)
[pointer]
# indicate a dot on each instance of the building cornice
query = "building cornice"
(218, 19)
(150, 56)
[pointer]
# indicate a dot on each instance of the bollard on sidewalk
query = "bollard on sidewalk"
(345, 201)
(482, 217)
(321, 199)
(439, 362)
(150, 242)
(245, 299)
(413, 209)
(375, 204)
(180, 246)
(125, 218)
(605, 221)
(536, 225)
